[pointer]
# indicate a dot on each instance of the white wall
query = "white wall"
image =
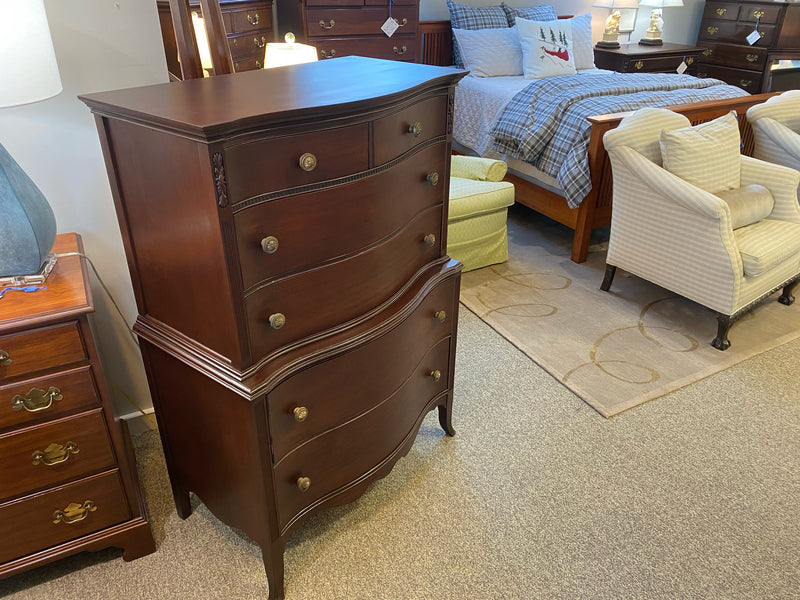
(99, 45)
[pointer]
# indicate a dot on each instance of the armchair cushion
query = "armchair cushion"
(705, 155)
(748, 204)
(475, 167)
(765, 244)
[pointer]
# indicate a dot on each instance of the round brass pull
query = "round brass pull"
(401, 23)
(433, 178)
(429, 240)
(36, 399)
(440, 315)
(55, 454)
(303, 483)
(5, 359)
(300, 413)
(402, 50)
(277, 320)
(330, 54)
(436, 375)
(329, 26)
(253, 20)
(751, 58)
(415, 129)
(269, 244)
(308, 162)
(74, 512)
(260, 43)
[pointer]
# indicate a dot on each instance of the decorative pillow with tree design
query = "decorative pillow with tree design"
(546, 48)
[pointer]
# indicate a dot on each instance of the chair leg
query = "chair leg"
(721, 342)
(608, 278)
(787, 297)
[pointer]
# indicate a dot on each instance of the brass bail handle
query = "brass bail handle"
(54, 454)
(36, 399)
(5, 359)
(74, 512)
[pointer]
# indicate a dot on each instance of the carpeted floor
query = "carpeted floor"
(695, 496)
(614, 349)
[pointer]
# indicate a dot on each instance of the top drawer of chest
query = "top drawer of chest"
(40, 349)
(724, 11)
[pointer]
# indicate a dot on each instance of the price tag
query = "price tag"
(753, 37)
(389, 27)
(682, 67)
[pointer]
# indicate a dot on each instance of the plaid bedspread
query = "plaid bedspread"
(545, 123)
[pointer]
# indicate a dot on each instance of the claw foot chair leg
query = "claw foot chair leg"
(608, 278)
(721, 342)
(786, 296)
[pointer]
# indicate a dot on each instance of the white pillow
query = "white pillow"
(490, 52)
(546, 48)
(705, 155)
(582, 45)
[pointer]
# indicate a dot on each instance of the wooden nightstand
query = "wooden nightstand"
(68, 476)
(635, 58)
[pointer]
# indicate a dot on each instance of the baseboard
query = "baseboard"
(139, 422)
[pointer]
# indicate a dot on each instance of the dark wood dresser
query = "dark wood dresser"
(286, 232)
(67, 474)
(248, 25)
(353, 27)
(638, 58)
(726, 53)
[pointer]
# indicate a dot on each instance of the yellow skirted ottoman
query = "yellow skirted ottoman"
(479, 201)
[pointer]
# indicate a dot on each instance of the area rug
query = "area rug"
(617, 349)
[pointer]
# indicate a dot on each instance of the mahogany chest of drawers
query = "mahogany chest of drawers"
(726, 53)
(286, 233)
(353, 27)
(67, 476)
(248, 26)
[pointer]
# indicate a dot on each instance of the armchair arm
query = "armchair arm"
(475, 167)
(780, 135)
(782, 182)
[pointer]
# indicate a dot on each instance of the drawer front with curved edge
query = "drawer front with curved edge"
(47, 398)
(293, 308)
(317, 468)
(61, 514)
(54, 452)
(40, 349)
(262, 166)
(292, 233)
(335, 391)
(397, 47)
(326, 22)
(408, 127)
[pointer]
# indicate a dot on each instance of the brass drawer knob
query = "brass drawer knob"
(440, 315)
(330, 54)
(55, 454)
(402, 50)
(36, 399)
(269, 244)
(330, 25)
(433, 178)
(415, 129)
(303, 483)
(300, 413)
(252, 19)
(277, 320)
(308, 162)
(436, 375)
(429, 240)
(5, 359)
(74, 512)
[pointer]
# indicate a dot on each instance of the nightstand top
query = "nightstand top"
(636, 49)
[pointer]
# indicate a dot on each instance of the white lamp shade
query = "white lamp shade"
(616, 3)
(661, 3)
(281, 55)
(28, 67)
(201, 36)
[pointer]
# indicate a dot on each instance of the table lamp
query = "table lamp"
(27, 223)
(611, 31)
(288, 53)
(652, 36)
(203, 48)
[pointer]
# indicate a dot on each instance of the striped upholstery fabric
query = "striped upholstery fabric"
(641, 131)
(681, 237)
(474, 167)
(776, 128)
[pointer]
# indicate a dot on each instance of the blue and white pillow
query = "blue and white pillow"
(474, 17)
(544, 12)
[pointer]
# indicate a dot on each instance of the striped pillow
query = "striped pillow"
(474, 17)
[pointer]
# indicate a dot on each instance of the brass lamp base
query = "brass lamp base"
(39, 277)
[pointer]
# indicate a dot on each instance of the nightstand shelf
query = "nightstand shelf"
(636, 58)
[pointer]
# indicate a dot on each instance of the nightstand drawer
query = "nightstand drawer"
(262, 166)
(411, 126)
(40, 349)
(273, 242)
(660, 64)
(79, 508)
(745, 57)
(335, 391)
(54, 452)
(313, 301)
(47, 398)
(367, 441)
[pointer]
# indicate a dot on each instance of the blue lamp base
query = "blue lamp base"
(27, 223)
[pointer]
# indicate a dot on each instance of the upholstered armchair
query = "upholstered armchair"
(726, 250)
(776, 129)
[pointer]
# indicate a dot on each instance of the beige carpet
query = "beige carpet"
(614, 349)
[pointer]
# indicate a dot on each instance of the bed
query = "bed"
(542, 194)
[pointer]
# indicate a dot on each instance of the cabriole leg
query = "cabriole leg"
(786, 296)
(273, 565)
(724, 322)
